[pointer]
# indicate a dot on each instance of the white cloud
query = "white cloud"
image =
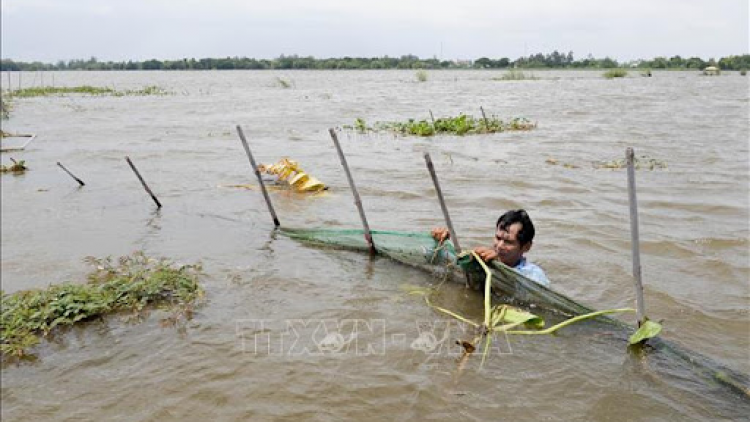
(138, 29)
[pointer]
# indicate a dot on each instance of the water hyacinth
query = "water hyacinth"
(463, 124)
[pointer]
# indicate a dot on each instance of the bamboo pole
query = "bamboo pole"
(80, 182)
(433, 119)
(634, 237)
(357, 200)
(257, 174)
(484, 116)
(439, 191)
(143, 182)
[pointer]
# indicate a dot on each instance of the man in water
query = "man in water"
(514, 235)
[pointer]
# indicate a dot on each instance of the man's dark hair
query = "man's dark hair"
(526, 234)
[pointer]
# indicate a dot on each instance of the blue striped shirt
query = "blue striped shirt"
(532, 271)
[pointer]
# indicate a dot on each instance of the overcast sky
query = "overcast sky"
(51, 30)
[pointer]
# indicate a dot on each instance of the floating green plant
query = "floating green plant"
(17, 167)
(462, 124)
(421, 75)
(44, 91)
(130, 284)
(615, 73)
(642, 162)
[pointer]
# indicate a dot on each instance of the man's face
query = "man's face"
(507, 246)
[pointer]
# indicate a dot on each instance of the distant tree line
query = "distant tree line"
(554, 60)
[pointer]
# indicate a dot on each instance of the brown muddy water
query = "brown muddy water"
(252, 350)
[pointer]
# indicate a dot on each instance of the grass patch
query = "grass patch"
(515, 75)
(460, 125)
(46, 91)
(615, 73)
(129, 285)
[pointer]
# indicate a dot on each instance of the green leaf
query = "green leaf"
(646, 331)
(515, 315)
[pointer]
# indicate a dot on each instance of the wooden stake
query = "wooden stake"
(433, 119)
(634, 238)
(143, 182)
(257, 174)
(80, 182)
(439, 191)
(357, 201)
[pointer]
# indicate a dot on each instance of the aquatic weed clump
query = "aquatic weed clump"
(129, 285)
(18, 167)
(615, 73)
(462, 124)
(45, 91)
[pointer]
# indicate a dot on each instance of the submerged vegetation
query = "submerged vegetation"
(639, 163)
(643, 162)
(129, 285)
(615, 73)
(283, 83)
(462, 124)
(44, 91)
(514, 75)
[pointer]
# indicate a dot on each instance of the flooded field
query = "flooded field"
(250, 351)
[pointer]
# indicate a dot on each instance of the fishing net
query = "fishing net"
(420, 250)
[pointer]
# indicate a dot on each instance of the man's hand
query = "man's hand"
(487, 254)
(440, 234)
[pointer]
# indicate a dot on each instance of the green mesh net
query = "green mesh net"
(420, 250)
